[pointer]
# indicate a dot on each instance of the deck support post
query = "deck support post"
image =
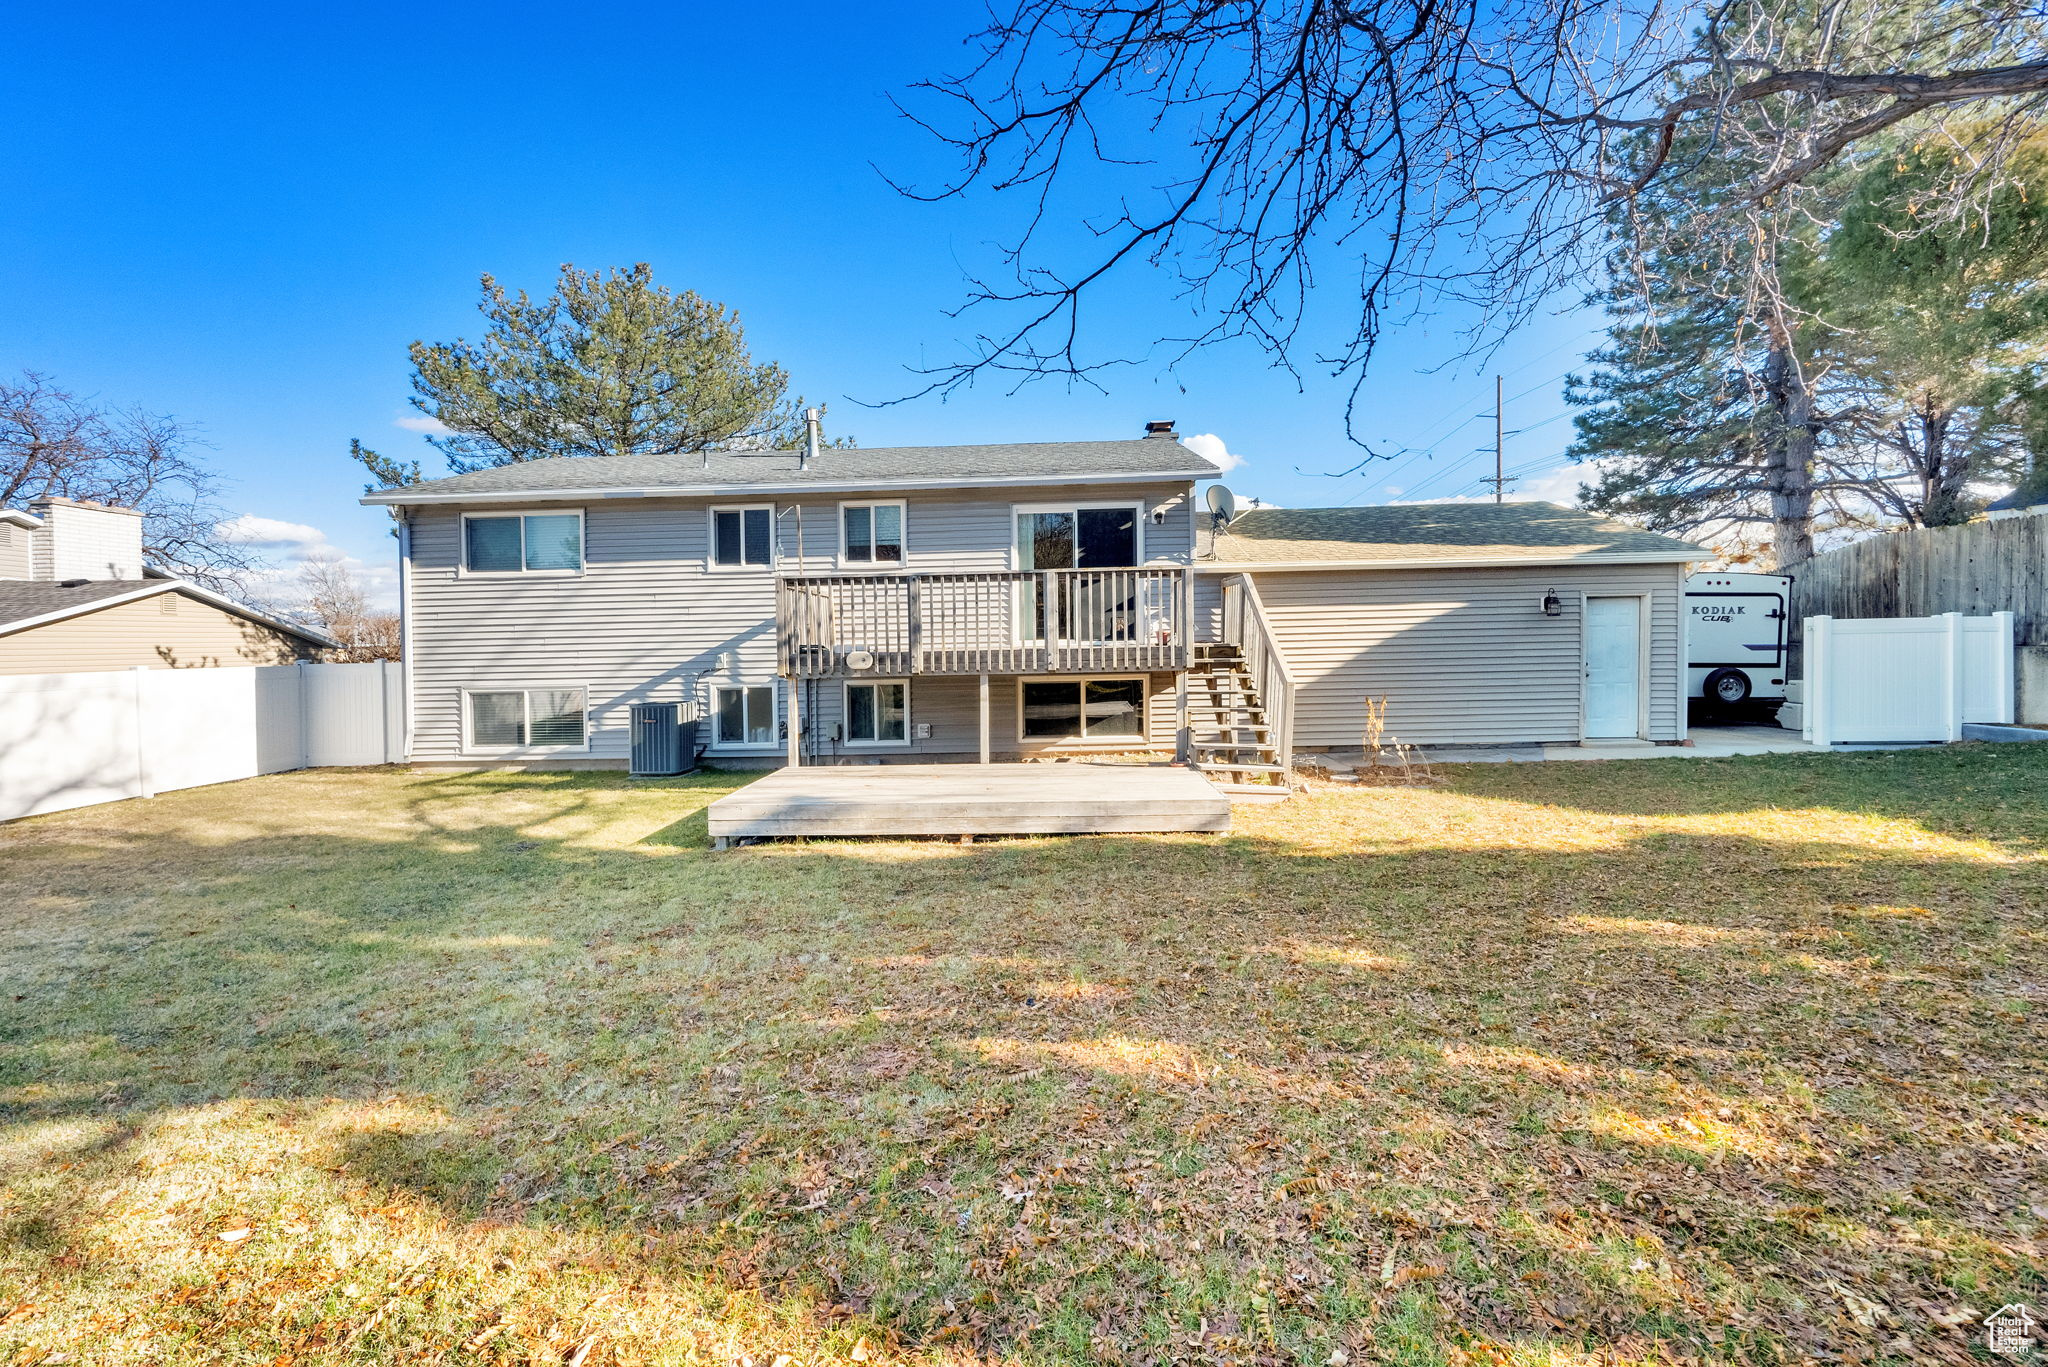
(796, 725)
(984, 717)
(1183, 736)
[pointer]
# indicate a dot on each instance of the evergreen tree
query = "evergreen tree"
(1701, 407)
(608, 365)
(1940, 332)
(1889, 359)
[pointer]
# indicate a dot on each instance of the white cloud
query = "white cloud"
(421, 422)
(285, 547)
(269, 532)
(1551, 486)
(1213, 449)
(1556, 486)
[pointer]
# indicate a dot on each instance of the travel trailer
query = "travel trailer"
(1735, 644)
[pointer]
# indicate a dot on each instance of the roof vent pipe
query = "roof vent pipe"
(811, 438)
(1159, 429)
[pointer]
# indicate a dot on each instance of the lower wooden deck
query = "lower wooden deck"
(970, 799)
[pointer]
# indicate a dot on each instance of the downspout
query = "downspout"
(405, 632)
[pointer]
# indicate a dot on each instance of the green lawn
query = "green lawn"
(1734, 1059)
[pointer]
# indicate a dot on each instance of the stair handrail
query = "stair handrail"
(1245, 626)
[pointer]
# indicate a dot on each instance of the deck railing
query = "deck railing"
(1245, 626)
(1026, 622)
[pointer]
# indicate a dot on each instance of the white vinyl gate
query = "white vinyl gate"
(1891, 679)
(69, 740)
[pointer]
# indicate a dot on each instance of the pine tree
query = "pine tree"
(1941, 333)
(608, 365)
(1701, 407)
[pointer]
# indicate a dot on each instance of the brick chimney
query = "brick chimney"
(85, 541)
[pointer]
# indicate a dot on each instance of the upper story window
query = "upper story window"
(871, 533)
(742, 538)
(519, 543)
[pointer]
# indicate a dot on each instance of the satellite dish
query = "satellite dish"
(1222, 504)
(860, 659)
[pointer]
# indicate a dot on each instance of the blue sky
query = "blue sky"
(242, 214)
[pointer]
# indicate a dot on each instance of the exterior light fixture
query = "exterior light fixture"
(1553, 606)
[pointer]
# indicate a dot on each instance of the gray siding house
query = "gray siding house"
(991, 602)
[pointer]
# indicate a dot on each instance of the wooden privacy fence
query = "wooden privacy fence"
(70, 740)
(1996, 565)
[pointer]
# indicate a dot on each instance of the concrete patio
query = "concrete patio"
(1708, 742)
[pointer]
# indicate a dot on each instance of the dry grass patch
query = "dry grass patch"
(1735, 1060)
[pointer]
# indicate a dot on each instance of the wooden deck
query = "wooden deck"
(970, 799)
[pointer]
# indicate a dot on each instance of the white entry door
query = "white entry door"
(1614, 671)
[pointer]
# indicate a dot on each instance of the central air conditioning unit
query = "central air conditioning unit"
(860, 659)
(663, 743)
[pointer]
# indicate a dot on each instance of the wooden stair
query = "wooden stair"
(1229, 737)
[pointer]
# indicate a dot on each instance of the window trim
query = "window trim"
(463, 571)
(1137, 507)
(846, 714)
(1142, 739)
(469, 742)
(903, 530)
(775, 723)
(711, 538)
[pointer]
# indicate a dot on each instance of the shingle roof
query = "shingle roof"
(939, 466)
(1436, 531)
(23, 600)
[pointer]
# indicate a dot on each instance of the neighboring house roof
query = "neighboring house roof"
(1434, 534)
(26, 603)
(2018, 498)
(20, 519)
(836, 468)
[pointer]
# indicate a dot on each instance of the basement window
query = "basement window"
(877, 713)
(1082, 709)
(527, 719)
(745, 714)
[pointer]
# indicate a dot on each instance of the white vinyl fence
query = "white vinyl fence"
(69, 740)
(1882, 679)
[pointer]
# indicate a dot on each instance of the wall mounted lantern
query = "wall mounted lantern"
(1553, 606)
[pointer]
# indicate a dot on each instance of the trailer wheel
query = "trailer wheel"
(1726, 687)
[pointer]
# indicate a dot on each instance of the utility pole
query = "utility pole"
(1500, 474)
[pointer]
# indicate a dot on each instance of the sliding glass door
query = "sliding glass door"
(1089, 607)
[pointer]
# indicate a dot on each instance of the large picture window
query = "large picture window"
(877, 713)
(518, 543)
(871, 533)
(744, 713)
(742, 538)
(527, 718)
(1082, 709)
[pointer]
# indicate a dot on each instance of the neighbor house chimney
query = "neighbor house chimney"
(811, 437)
(1160, 429)
(85, 541)
(17, 544)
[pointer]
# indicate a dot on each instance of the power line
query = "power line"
(1395, 469)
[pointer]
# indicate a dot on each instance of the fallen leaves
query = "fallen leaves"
(1526, 1059)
